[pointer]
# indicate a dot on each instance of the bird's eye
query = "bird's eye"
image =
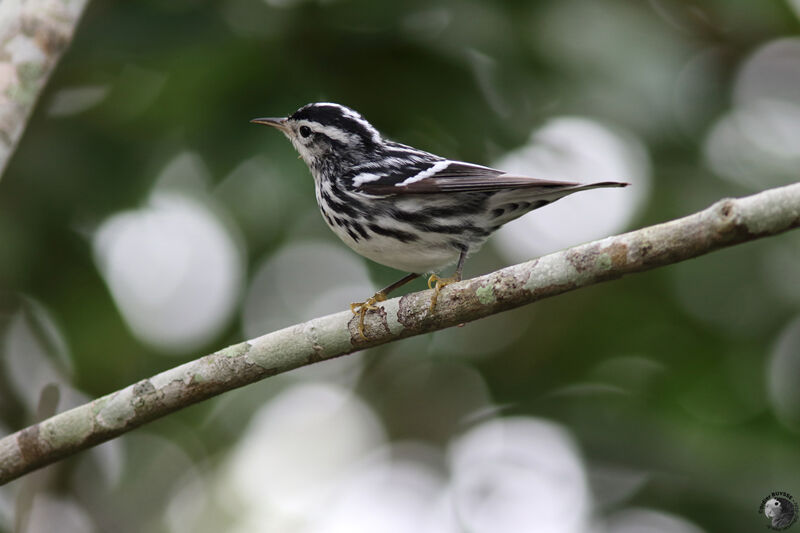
(305, 131)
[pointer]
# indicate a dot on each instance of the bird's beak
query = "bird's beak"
(279, 123)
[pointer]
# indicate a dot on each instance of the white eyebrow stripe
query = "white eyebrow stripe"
(365, 177)
(329, 131)
(427, 173)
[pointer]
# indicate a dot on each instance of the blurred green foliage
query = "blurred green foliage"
(643, 380)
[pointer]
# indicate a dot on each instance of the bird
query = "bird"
(781, 511)
(403, 207)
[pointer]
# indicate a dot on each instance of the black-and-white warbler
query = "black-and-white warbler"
(402, 207)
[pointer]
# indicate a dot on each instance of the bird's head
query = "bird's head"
(325, 133)
(772, 508)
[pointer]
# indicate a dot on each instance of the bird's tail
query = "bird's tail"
(559, 190)
(508, 205)
(598, 185)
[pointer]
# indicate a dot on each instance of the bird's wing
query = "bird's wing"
(446, 176)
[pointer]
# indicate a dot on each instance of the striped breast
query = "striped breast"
(404, 232)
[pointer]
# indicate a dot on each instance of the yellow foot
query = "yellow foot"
(361, 308)
(440, 283)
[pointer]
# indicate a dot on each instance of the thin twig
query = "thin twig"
(725, 223)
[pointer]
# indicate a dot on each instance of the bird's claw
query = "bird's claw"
(361, 308)
(437, 284)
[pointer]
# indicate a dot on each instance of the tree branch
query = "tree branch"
(33, 34)
(725, 223)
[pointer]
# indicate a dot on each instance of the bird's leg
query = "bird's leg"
(436, 283)
(361, 308)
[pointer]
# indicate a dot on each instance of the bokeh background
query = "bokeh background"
(144, 222)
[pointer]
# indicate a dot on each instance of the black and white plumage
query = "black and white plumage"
(781, 511)
(400, 206)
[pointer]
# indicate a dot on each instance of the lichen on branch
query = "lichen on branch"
(33, 35)
(726, 223)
